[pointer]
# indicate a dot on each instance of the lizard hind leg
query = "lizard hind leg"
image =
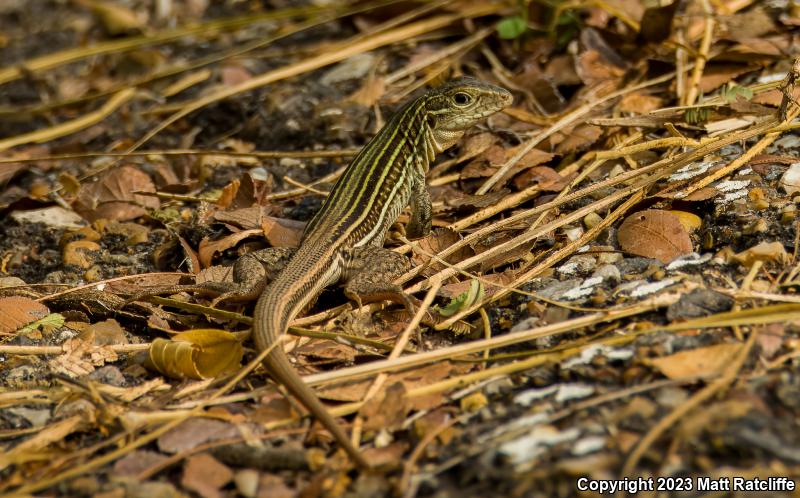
(250, 274)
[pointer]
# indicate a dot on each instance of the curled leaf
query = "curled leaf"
(463, 300)
(196, 354)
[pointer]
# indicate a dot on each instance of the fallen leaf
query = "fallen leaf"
(80, 358)
(16, 312)
(112, 196)
(196, 431)
(385, 410)
(710, 361)
(434, 243)
(209, 248)
(639, 103)
(767, 252)
(196, 354)
(654, 234)
(690, 221)
(205, 475)
(282, 232)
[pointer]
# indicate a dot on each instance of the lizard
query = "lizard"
(343, 242)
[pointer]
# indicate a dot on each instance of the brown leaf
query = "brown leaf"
(80, 253)
(547, 178)
(104, 333)
(370, 92)
(654, 234)
(196, 354)
(716, 75)
(16, 312)
(138, 461)
(768, 252)
(282, 232)
(710, 360)
(194, 432)
(437, 241)
(205, 475)
(112, 196)
(209, 248)
(385, 410)
(81, 357)
(580, 138)
(640, 103)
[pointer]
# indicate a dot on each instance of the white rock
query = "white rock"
(790, 181)
(54, 216)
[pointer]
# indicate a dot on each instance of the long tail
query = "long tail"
(273, 312)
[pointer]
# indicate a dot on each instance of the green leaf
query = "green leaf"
(463, 300)
(511, 27)
(52, 321)
(732, 91)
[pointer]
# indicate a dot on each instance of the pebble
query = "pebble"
(580, 264)
(790, 181)
(608, 272)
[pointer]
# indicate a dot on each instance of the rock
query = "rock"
(698, 303)
(790, 181)
(354, 68)
(580, 264)
(54, 216)
(608, 272)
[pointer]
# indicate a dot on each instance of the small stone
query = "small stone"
(608, 273)
(573, 233)
(580, 264)
(591, 220)
(788, 214)
(761, 285)
(758, 226)
(758, 200)
(11, 282)
(246, 481)
(356, 67)
(80, 253)
(608, 255)
(790, 181)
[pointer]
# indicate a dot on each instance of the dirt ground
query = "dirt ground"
(614, 261)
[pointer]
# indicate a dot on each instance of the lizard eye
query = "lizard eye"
(462, 98)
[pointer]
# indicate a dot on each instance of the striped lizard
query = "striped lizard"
(344, 240)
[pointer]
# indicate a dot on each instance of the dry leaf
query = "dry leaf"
(639, 103)
(282, 232)
(205, 475)
(16, 312)
(436, 242)
(690, 221)
(696, 362)
(196, 354)
(194, 432)
(768, 252)
(209, 248)
(385, 410)
(81, 357)
(112, 196)
(654, 234)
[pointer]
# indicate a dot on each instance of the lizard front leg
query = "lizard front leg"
(421, 212)
(251, 272)
(369, 276)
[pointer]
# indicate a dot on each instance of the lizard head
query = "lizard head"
(457, 105)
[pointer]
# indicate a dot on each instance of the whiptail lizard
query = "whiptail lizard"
(344, 240)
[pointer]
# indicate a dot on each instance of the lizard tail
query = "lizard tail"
(273, 312)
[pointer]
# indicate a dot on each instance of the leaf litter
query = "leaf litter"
(625, 236)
